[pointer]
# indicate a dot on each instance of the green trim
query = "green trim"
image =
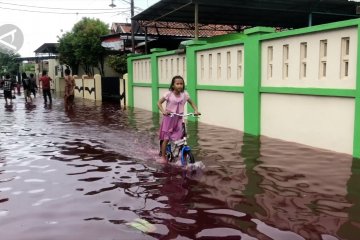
(227, 37)
(317, 28)
(141, 84)
(191, 72)
(163, 85)
(356, 142)
(167, 53)
(252, 79)
(139, 57)
(220, 88)
(230, 43)
(155, 82)
(130, 82)
(310, 91)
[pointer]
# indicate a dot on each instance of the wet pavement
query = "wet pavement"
(90, 173)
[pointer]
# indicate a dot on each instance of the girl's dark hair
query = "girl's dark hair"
(171, 88)
(67, 71)
(23, 75)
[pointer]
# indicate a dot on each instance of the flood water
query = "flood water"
(91, 174)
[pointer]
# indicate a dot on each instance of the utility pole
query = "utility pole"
(132, 27)
(132, 23)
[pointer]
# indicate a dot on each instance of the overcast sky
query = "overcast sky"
(41, 21)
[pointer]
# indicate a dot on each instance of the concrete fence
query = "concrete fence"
(299, 85)
(85, 87)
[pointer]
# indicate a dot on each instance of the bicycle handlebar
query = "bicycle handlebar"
(184, 115)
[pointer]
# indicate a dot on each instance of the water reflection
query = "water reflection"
(90, 173)
(351, 227)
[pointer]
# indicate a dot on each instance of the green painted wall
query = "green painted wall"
(252, 79)
(252, 90)
(356, 143)
(130, 81)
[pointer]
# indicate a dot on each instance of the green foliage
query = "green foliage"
(118, 63)
(9, 63)
(82, 46)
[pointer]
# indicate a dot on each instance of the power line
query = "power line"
(64, 13)
(70, 9)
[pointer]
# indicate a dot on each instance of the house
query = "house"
(167, 35)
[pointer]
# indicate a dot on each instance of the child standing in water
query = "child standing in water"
(69, 90)
(171, 127)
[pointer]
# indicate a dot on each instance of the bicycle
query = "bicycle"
(180, 147)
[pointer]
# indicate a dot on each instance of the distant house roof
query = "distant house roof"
(159, 34)
(274, 13)
(47, 48)
(36, 59)
(172, 29)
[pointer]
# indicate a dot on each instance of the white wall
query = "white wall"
(324, 122)
(333, 76)
(98, 88)
(89, 83)
(170, 66)
(79, 84)
(225, 109)
(142, 98)
(142, 71)
(221, 66)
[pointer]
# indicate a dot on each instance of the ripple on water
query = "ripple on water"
(3, 213)
(34, 180)
(34, 191)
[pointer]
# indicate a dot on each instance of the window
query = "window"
(146, 71)
(210, 67)
(177, 66)
(184, 67)
(172, 67)
(141, 71)
(239, 64)
(345, 49)
(323, 59)
(166, 69)
(218, 65)
(270, 62)
(161, 69)
(286, 61)
(303, 59)
(228, 64)
(202, 67)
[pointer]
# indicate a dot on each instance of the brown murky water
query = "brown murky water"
(90, 173)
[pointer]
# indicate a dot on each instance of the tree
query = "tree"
(9, 63)
(67, 52)
(82, 46)
(118, 63)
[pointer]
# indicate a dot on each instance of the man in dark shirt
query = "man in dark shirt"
(7, 89)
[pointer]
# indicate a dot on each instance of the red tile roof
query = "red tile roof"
(174, 29)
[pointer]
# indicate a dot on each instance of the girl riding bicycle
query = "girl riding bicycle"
(171, 126)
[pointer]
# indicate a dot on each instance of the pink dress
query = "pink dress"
(171, 127)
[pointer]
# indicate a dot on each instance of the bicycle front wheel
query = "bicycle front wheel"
(189, 157)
